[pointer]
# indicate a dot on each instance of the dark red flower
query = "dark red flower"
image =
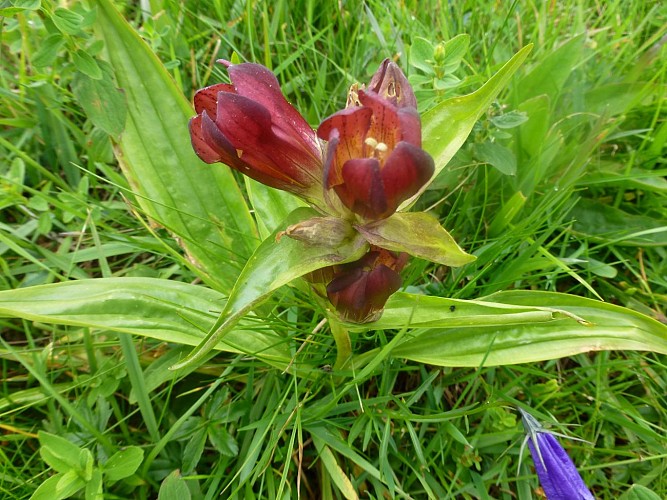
(250, 126)
(360, 289)
(374, 159)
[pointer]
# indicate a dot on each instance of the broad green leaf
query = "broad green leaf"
(161, 309)
(276, 262)
(497, 156)
(94, 489)
(421, 55)
(174, 488)
(610, 224)
(201, 204)
(551, 73)
(48, 50)
(639, 492)
(446, 126)
(58, 452)
(419, 234)
(62, 485)
(514, 327)
(104, 104)
(123, 463)
(85, 63)
(67, 21)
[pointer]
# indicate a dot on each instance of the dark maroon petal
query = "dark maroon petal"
(390, 83)
(249, 127)
(332, 176)
(382, 282)
(199, 144)
(259, 84)
(406, 170)
(385, 126)
(362, 191)
(206, 99)
(242, 120)
(360, 289)
(350, 122)
(410, 126)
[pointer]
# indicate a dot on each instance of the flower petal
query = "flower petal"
(360, 289)
(206, 99)
(390, 83)
(406, 170)
(410, 126)
(385, 126)
(249, 127)
(259, 84)
(362, 191)
(559, 477)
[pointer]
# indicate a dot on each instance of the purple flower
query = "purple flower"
(558, 476)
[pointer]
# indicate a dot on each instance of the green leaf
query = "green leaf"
(62, 485)
(58, 452)
(69, 484)
(455, 49)
(549, 76)
(85, 63)
(223, 442)
(639, 492)
(123, 463)
(174, 488)
(417, 233)
(270, 206)
(506, 214)
(446, 126)
(193, 450)
(514, 327)
(67, 21)
(48, 50)
(337, 474)
(610, 224)
(421, 55)
(161, 309)
(497, 156)
(94, 489)
(103, 103)
(274, 264)
(201, 204)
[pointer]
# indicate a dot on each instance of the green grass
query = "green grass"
(584, 126)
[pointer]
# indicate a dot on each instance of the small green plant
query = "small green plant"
(76, 468)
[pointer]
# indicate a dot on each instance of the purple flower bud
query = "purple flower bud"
(558, 476)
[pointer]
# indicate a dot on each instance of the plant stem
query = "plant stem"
(343, 344)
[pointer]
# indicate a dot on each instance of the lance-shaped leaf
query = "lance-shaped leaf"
(161, 309)
(276, 262)
(446, 126)
(418, 234)
(201, 204)
(514, 327)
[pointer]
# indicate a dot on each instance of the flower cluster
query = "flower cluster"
(359, 166)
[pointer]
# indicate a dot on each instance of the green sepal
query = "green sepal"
(276, 262)
(419, 234)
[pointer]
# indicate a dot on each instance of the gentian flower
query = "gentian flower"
(359, 166)
(374, 159)
(250, 126)
(558, 476)
(360, 289)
